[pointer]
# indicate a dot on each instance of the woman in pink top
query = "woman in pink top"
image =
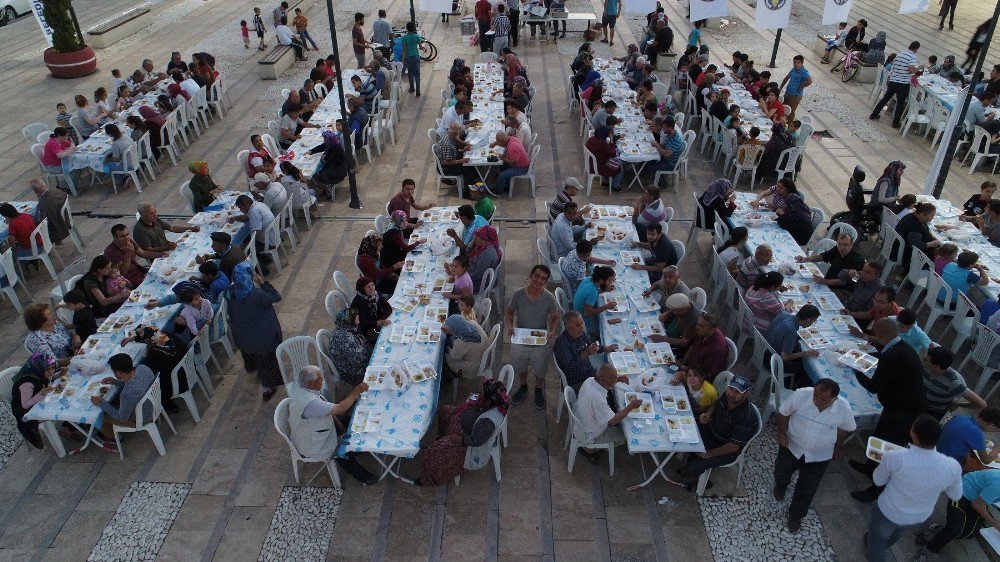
(762, 299)
(945, 254)
(58, 146)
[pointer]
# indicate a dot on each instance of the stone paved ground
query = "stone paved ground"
(224, 491)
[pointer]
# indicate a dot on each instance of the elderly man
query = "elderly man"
(256, 218)
(725, 429)
(313, 421)
(294, 98)
(122, 251)
(50, 204)
(471, 221)
(782, 335)
(574, 267)
(404, 201)
(862, 285)
(149, 76)
(292, 124)
(131, 382)
(649, 209)
(515, 161)
(574, 349)
(455, 115)
(662, 252)
(600, 423)
(571, 187)
(898, 383)
(663, 39)
(679, 322)
(668, 285)
(451, 152)
(223, 250)
(748, 270)
(841, 258)
(812, 425)
(150, 231)
(532, 307)
(587, 295)
(708, 352)
(913, 478)
(564, 232)
(270, 193)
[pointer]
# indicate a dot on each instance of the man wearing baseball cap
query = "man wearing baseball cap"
(725, 429)
(484, 205)
(571, 187)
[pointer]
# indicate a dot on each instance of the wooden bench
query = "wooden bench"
(277, 60)
(109, 32)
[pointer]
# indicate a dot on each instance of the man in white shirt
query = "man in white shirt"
(454, 114)
(286, 36)
(190, 86)
(256, 217)
(913, 478)
(313, 421)
(812, 425)
(898, 84)
(600, 423)
(270, 193)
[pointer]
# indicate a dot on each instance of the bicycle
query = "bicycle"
(849, 64)
(428, 50)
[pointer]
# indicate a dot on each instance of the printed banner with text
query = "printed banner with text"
(704, 9)
(773, 14)
(36, 7)
(836, 11)
(436, 6)
(913, 6)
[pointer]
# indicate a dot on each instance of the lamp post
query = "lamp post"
(348, 146)
(413, 14)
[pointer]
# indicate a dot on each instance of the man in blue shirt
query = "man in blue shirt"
(670, 145)
(783, 337)
(798, 79)
(468, 217)
(964, 434)
(585, 299)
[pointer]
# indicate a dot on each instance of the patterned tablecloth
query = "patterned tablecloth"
(164, 273)
(634, 145)
(406, 414)
(763, 231)
(93, 152)
(966, 236)
(487, 107)
(626, 329)
(326, 115)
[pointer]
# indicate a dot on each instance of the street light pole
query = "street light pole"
(348, 145)
(413, 14)
(953, 141)
(774, 51)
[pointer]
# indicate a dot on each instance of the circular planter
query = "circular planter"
(71, 65)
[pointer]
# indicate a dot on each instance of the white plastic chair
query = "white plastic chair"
(152, 398)
(546, 256)
(748, 158)
(7, 383)
(878, 88)
(483, 309)
(37, 150)
(147, 159)
(271, 145)
(169, 139)
(703, 479)
(679, 250)
(13, 279)
(441, 175)
(938, 308)
(31, 131)
(529, 175)
(486, 285)
(219, 328)
(272, 243)
(286, 224)
(699, 298)
(987, 342)
(335, 303)
(980, 149)
(920, 267)
(777, 393)
(913, 113)
(732, 354)
(297, 352)
(188, 196)
(332, 377)
(284, 429)
(963, 322)
(590, 168)
(187, 364)
(67, 279)
(41, 251)
(562, 299)
(787, 161)
(341, 282)
(382, 224)
(578, 437)
(130, 167)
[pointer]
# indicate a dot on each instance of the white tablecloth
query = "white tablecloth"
(29, 207)
(966, 236)
(325, 115)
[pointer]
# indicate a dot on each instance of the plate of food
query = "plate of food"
(422, 372)
(645, 304)
(402, 333)
(793, 304)
(659, 353)
(429, 332)
(442, 285)
(375, 375)
(826, 303)
(625, 362)
(436, 314)
(629, 258)
(645, 409)
(649, 327)
(878, 447)
(413, 266)
(527, 336)
(808, 269)
(620, 300)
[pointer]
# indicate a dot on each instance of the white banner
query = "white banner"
(704, 9)
(436, 6)
(640, 6)
(913, 6)
(949, 130)
(836, 11)
(773, 14)
(36, 7)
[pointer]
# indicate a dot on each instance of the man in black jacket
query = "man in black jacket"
(662, 41)
(899, 386)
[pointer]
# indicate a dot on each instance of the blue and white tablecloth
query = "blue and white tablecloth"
(966, 236)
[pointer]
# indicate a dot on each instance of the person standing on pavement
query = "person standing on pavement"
(501, 29)
(484, 17)
(358, 41)
(913, 478)
(608, 21)
(947, 9)
(812, 426)
(798, 79)
(411, 56)
(382, 34)
(258, 26)
(532, 307)
(903, 67)
(898, 383)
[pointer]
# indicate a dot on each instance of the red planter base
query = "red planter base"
(71, 65)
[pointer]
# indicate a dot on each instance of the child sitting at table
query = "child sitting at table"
(703, 394)
(912, 334)
(84, 321)
(793, 130)
(943, 255)
(62, 119)
(458, 269)
(116, 283)
(197, 312)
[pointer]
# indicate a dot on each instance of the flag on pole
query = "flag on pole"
(942, 150)
(836, 11)
(36, 8)
(913, 6)
(704, 9)
(640, 6)
(436, 6)
(773, 14)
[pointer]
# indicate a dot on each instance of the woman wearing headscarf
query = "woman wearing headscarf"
(466, 434)
(584, 53)
(368, 262)
(373, 309)
(484, 253)
(780, 140)
(947, 66)
(793, 213)
(886, 191)
(333, 169)
(203, 188)
(628, 61)
(30, 385)
(348, 348)
(154, 122)
(177, 94)
(720, 197)
(875, 54)
(256, 331)
(394, 247)
(602, 146)
(468, 343)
